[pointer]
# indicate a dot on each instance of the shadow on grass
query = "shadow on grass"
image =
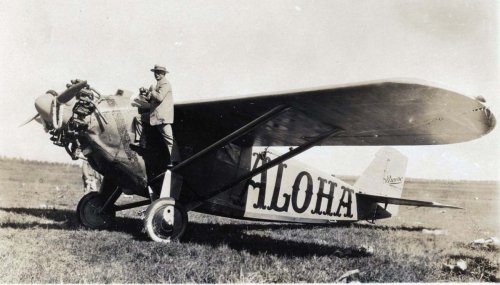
(394, 228)
(234, 236)
(65, 220)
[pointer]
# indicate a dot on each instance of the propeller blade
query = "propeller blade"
(29, 120)
(71, 92)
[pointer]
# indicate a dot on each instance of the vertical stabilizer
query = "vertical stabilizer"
(385, 176)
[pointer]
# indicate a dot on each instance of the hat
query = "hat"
(159, 68)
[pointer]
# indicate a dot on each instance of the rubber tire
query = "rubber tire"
(87, 212)
(155, 226)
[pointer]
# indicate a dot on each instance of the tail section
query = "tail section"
(385, 177)
(380, 187)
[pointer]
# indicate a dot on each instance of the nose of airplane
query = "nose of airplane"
(43, 105)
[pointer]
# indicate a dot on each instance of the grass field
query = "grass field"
(41, 241)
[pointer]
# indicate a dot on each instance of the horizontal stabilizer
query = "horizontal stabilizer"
(404, 202)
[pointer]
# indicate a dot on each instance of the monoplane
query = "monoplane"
(226, 168)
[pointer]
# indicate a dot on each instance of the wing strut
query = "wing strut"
(236, 134)
(298, 150)
(310, 142)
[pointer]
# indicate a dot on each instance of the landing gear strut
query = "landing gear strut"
(166, 220)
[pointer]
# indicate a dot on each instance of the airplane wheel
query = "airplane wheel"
(88, 212)
(159, 224)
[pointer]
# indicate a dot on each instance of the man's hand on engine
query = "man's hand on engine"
(144, 93)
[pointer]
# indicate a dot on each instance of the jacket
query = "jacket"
(162, 104)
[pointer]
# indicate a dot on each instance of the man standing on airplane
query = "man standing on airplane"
(161, 113)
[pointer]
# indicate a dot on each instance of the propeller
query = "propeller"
(44, 102)
(29, 120)
(72, 91)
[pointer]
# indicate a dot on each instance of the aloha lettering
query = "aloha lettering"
(263, 181)
(285, 200)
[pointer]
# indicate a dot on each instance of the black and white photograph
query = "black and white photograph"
(216, 142)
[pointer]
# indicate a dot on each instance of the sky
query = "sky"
(236, 48)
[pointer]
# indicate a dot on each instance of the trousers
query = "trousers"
(166, 133)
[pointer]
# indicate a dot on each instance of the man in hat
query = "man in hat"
(161, 113)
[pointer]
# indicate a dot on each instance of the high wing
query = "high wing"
(382, 113)
(404, 202)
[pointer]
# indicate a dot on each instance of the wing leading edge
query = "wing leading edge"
(386, 113)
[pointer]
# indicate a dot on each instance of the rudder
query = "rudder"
(385, 176)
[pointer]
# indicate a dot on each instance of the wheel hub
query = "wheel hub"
(90, 212)
(165, 220)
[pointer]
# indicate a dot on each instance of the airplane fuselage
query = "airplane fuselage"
(291, 191)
